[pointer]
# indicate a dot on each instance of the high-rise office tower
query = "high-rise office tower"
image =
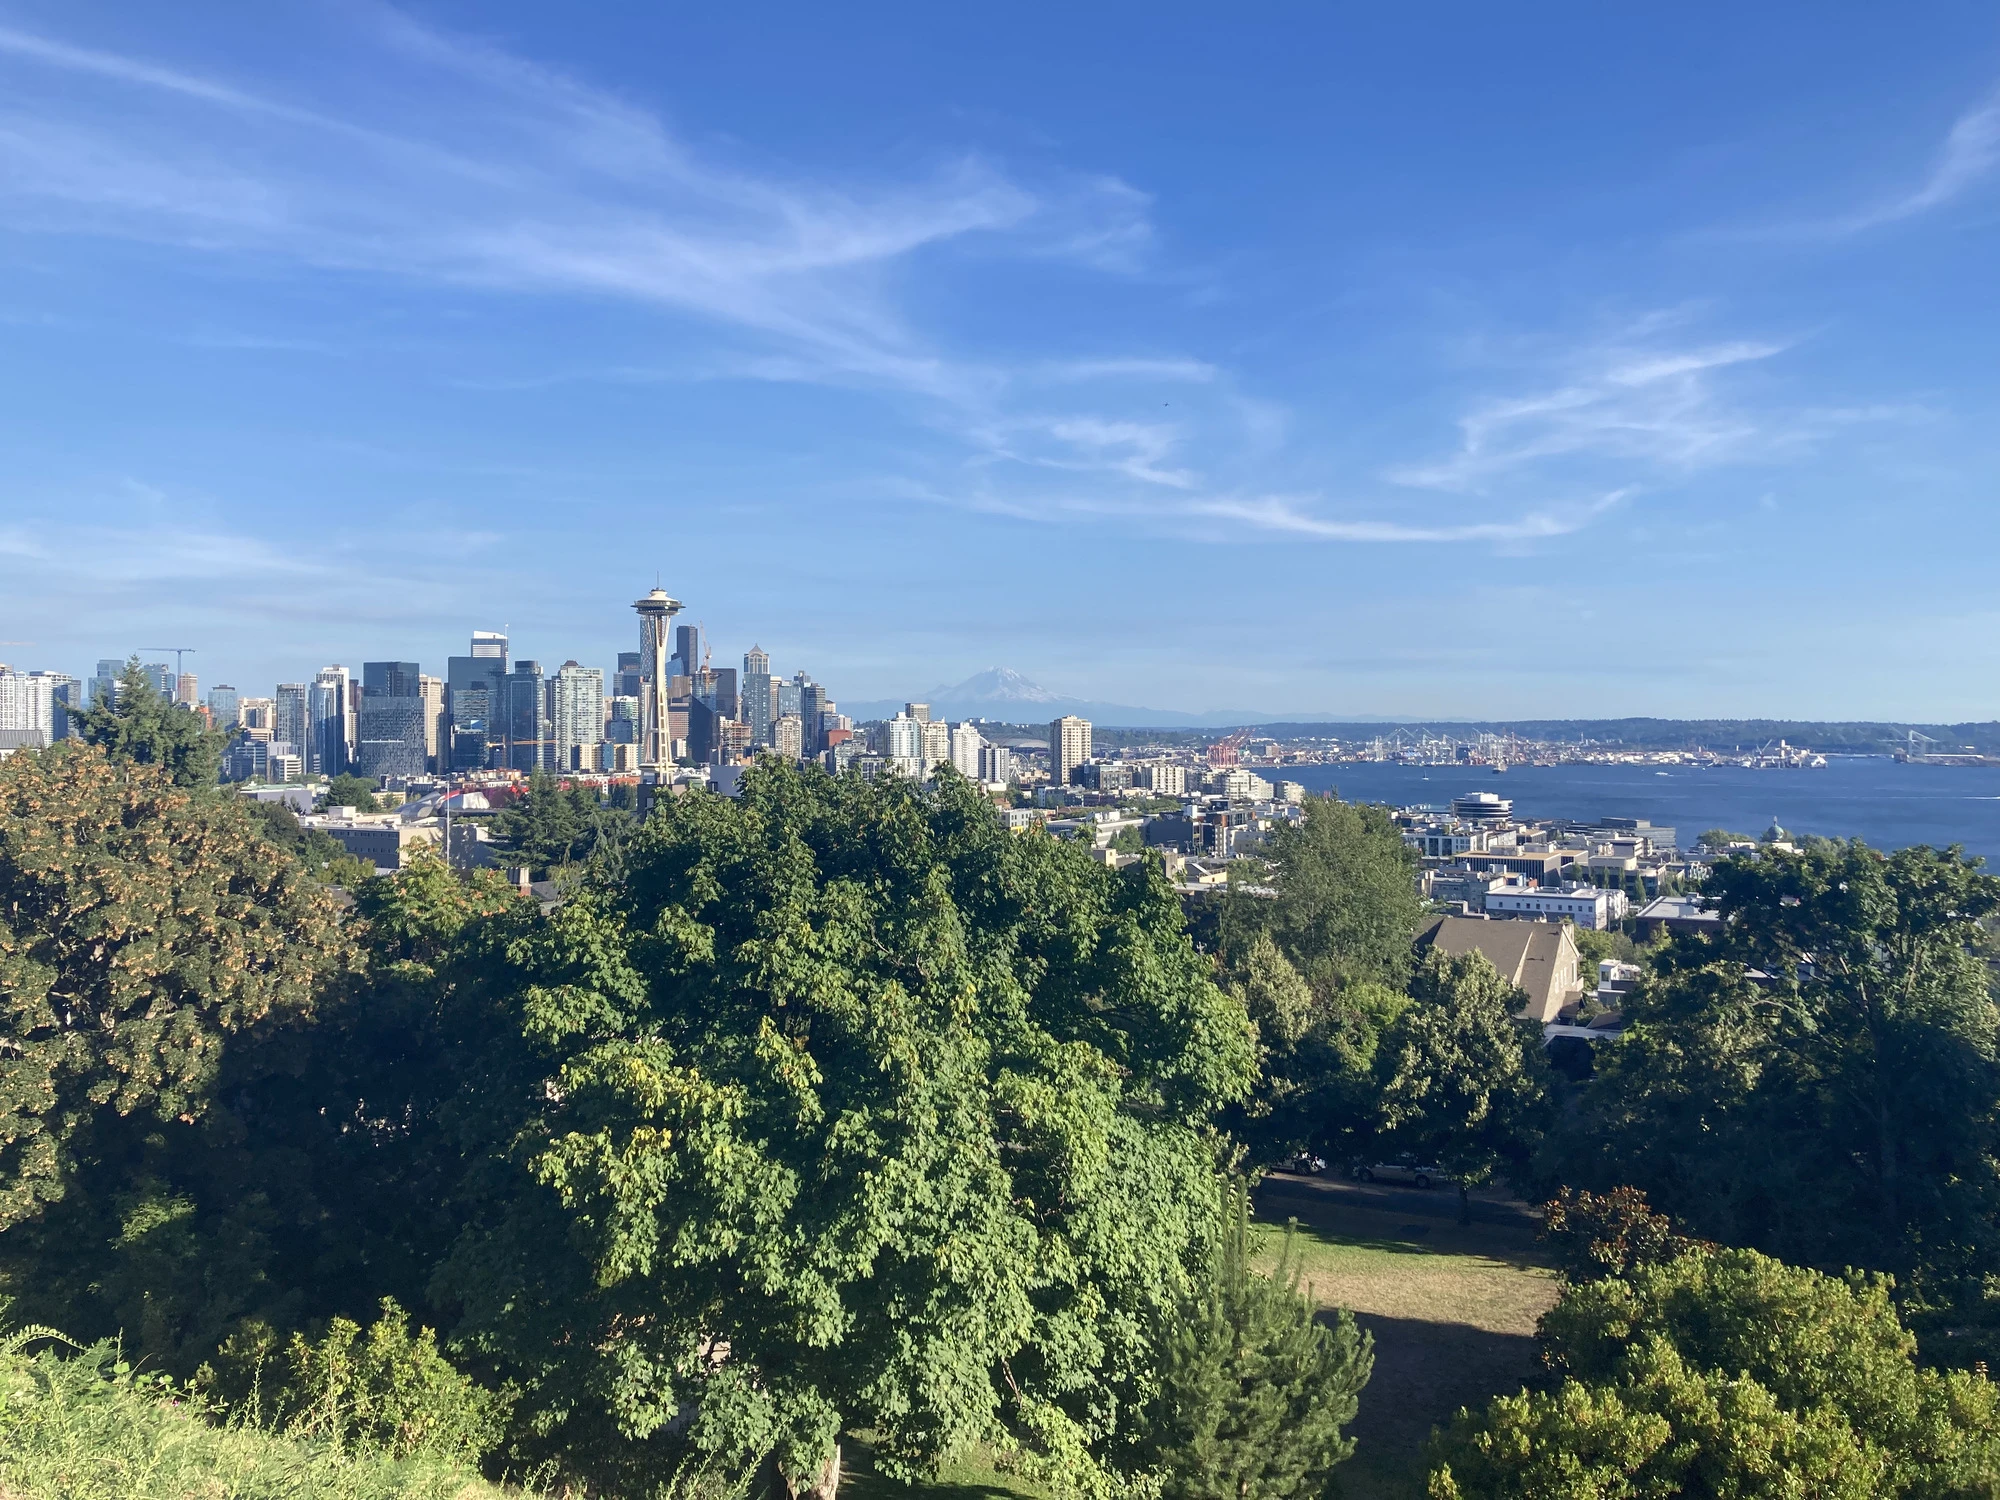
(525, 715)
(257, 717)
(327, 748)
(756, 710)
(187, 690)
(291, 719)
(722, 694)
(687, 649)
(921, 712)
(578, 717)
(966, 743)
(437, 728)
(472, 701)
(1069, 747)
(656, 613)
(390, 736)
(104, 686)
(625, 681)
(786, 704)
(224, 705)
(812, 701)
(161, 676)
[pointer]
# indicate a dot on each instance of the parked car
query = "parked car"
(1304, 1162)
(1403, 1169)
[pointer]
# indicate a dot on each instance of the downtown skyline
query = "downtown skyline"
(1556, 365)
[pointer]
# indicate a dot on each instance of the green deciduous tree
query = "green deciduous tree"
(1254, 1389)
(141, 925)
(321, 855)
(1819, 1079)
(1463, 1083)
(847, 1108)
(1346, 905)
(1727, 1373)
(143, 727)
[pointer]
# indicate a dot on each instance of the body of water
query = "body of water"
(1866, 797)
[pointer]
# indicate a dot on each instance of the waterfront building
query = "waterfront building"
(390, 737)
(1069, 747)
(577, 719)
(757, 694)
(329, 733)
(656, 612)
(1587, 906)
(1486, 808)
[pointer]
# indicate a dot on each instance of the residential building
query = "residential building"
(38, 702)
(966, 743)
(256, 717)
(757, 694)
(1069, 747)
(187, 690)
(577, 717)
(996, 763)
(936, 736)
(223, 701)
(329, 736)
(903, 739)
(1538, 958)
(1162, 780)
(437, 727)
(1676, 914)
(1587, 906)
(525, 719)
(473, 684)
(787, 702)
(390, 739)
(1239, 785)
(787, 738)
(656, 612)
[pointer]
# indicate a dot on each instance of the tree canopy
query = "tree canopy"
(143, 727)
(1345, 905)
(906, 1113)
(140, 925)
(1464, 1084)
(357, 792)
(551, 825)
(1723, 1372)
(1819, 1078)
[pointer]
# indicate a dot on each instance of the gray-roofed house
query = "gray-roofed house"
(1539, 958)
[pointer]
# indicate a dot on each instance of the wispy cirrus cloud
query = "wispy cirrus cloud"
(1633, 405)
(477, 168)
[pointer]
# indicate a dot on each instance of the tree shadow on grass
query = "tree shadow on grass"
(1424, 1372)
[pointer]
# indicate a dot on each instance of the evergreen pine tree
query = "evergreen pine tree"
(1254, 1388)
(144, 728)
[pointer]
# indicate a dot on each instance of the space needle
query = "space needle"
(656, 613)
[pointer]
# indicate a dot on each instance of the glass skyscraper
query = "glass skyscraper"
(390, 741)
(472, 702)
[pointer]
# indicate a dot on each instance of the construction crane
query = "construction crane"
(179, 652)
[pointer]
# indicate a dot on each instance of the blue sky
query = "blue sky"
(1490, 361)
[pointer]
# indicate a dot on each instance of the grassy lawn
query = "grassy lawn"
(1452, 1310)
(968, 1479)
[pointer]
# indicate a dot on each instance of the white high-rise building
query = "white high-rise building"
(996, 763)
(966, 743)
(937, 744)
(579, 717)
(1167, 781)
(38, 702)
(1069, 747)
